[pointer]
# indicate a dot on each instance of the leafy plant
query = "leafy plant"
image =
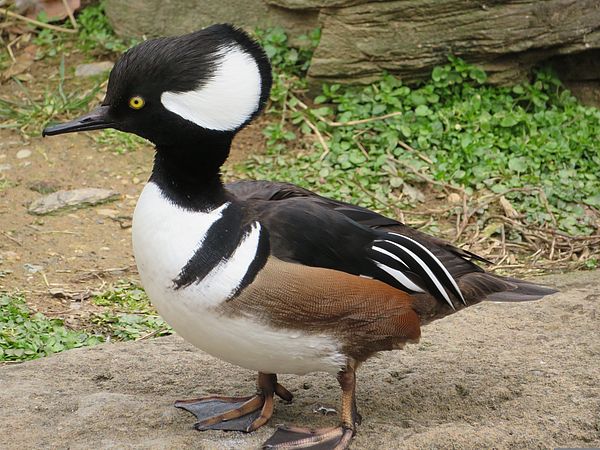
(130, 314)
(96, 34)
(49, 42)
(362, 144)
(25, 336)
(125, 296)
(127, 327)
(290, 59)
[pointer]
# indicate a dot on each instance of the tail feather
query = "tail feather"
(524, 291)
(478, 286)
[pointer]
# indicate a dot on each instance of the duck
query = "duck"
(267, 275)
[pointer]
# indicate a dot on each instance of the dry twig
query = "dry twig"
(8, 236)
(37, 23)
(70, 14)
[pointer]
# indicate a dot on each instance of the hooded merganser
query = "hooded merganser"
(268, 276)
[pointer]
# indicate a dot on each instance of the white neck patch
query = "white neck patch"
(227, 99)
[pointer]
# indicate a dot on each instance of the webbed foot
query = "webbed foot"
(237, 413)
(337, 438)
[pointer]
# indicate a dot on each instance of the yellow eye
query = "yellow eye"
(136, 102)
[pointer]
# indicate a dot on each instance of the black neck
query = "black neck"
(188, 173)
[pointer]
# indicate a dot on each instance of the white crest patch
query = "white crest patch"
(227, 99)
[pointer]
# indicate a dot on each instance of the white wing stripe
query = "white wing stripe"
(400, 277)
(439, 264)
(427, 270)
(390, 254)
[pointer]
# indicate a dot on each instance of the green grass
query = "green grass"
(6, 183)
(5, 61)
(25, 336)
(119, 142)
(30, 113)
(128, 313)
(95, 38)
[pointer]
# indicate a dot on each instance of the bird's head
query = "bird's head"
(176, 90)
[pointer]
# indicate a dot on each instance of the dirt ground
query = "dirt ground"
(73, 253)
(505, 376)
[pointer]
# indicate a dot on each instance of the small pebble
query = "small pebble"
(454, 198)
(25, 153)
(92, 69)
(325, 411)
(32, 268)
(5, 167)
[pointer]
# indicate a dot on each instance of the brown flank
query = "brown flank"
(366, 315)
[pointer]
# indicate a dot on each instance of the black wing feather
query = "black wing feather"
(316, 231)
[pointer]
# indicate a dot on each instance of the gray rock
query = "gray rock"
(362, 38)
(76, 198)
(121, 395)
(136, 18)
(410, 37)
(92, 69)
(33, 268)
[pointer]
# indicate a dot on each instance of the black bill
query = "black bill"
(98, 119)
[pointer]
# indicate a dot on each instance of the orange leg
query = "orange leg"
(337, 438)
(237, 413)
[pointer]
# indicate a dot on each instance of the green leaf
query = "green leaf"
(422, 111)
(478, 75)
(417, 99)
(593, 200)
(508, 121)
(517, 164)
(437, 74)
(405, 130)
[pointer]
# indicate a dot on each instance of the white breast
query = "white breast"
(165, 237)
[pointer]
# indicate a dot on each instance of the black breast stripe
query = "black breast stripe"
(221, 240)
